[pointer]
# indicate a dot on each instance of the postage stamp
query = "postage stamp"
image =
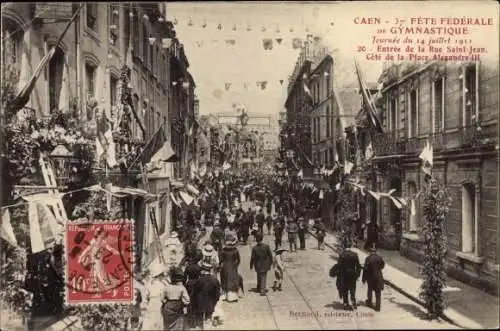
(99, 262)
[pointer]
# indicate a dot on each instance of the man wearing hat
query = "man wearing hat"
(292, 229)
(349, 271)
(372, 274)
(262, 259)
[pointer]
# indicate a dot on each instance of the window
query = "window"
(145, 44)
(413, 218)
(113, 91)
(92, 16)
(328, 122)
(56, 67)
(413, 117)
(12, 39)
(90, 80)
(469, 212)
(438, 105)
(114, 27)
(393, 116)
(469, 94)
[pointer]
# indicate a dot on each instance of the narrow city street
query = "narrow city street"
(309, 300)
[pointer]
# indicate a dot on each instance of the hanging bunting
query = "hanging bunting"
(234, 27)
(281, 81)
(228, 85)
(190, 22)
(277, 29)
(268, 44)
(199, 43)
(175, 21)
(279, 40)
(291, 29)
(263, 85)
(263, 29)
(249, 28)
(259, 84)
(245, 85)
(230, 42)
(296, 43)
(219, 26)
(204, 25)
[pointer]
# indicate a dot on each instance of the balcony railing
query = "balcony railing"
(474, 135)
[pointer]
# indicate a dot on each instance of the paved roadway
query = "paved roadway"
(309, 300)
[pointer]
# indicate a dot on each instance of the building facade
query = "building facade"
(455, 107)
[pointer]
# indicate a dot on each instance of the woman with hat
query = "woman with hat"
(230, 260)
(206, 292)
(156, 282)
(210, 257)
(175, 299)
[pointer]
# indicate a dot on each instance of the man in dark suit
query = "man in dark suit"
(261, 259)
(372, 274)
(349, 272)
(206, 294)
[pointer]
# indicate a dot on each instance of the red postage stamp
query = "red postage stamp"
(99, 262)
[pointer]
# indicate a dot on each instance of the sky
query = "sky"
(221, 71)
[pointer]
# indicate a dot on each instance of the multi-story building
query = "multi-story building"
(455, 107)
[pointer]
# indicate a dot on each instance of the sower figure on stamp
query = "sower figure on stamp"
(372, 274)
(262, 259)
(350, 270)
(92, 257)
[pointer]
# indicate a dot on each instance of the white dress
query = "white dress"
(153, 318)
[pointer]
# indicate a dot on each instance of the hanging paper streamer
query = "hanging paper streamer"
(296, 43)
(268, 44)
(228, 85)
(279, 40)
(230, 42)
(263, 85)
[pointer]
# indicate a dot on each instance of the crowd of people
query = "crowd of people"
(236, 210)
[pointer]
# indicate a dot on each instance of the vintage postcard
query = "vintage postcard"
(249, 165)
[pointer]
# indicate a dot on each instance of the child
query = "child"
(279, 268)
(320, 234)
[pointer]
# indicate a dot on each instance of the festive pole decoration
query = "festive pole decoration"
(204, 25)
(190, 22)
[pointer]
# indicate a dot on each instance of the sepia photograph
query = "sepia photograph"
(249, 165)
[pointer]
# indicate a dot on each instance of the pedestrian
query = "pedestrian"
(206, 294)
(372, 274)
(175, 300)
(320, 234)
(156, 283)
(302, 233)
(269, 205)
(261, 260)
(230, 260)
(217, 237)
(335, 273)
(192, 277)
(372, 235)
(210, 257)
(269, 222)
(279, 227)
(292, 229)
(350, 270)
(279, 268)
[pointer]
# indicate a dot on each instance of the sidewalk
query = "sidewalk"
(467, 306)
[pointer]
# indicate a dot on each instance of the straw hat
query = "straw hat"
(208, 249)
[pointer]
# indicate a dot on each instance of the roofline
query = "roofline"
(307, 64)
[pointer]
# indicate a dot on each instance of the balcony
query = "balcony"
(389, 143)
(475, 136)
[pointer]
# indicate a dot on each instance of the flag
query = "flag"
(192, 190)
(286, 173)
(41, 234)
(155, 143)
(296, 43)
(427, 157)
(300, 174)
(268, 44)
(186, 197)
(6, 231)
(369, 151)
(337, 186)
(24, 94)
(308, 92)
(369, 106)
(174, 200)
(227, 85)
(105, 145)
(348, 167)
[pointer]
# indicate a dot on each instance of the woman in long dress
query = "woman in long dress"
(175, 300)
(230, 260)
(155, 288)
